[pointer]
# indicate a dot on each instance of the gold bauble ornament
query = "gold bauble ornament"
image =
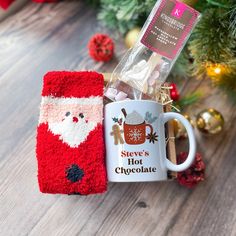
(179, 129)
(131, 37)
(210, 121)
(189, 2)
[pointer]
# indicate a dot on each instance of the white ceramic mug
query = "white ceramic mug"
(136, 143)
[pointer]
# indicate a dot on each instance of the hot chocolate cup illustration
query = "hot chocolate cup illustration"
(135, 128)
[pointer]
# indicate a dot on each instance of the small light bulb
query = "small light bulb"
(217, 70)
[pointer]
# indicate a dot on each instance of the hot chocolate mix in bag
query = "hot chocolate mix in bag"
(146, 66)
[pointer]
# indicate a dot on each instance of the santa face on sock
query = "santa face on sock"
(73, 118)
(72, 129)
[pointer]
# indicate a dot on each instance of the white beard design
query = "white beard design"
(72, 133)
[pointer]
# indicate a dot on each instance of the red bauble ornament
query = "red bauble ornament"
(194, 174)
(6, 3)
(101, 47)
(174, 94)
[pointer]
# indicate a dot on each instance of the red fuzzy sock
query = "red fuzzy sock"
(70, 144)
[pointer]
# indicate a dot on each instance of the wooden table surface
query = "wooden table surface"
(48, 37)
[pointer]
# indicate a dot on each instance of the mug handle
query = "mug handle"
(192, 142)
(151, 128)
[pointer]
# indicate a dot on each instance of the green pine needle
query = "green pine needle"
(188, 100)
(123, 15)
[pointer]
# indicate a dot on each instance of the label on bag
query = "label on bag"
(170, 28)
